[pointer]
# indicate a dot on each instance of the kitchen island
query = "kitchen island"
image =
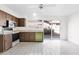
(30, 35)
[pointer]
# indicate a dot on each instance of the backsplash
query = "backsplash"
(31, 24)
(1, 29)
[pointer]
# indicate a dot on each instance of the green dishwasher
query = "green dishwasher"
(39, 36)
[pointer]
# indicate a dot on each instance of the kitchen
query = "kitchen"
(13, 29)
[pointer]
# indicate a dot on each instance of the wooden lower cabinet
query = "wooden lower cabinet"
(31, 36)
(27, 36)
(1, 43)
(5, 42)
(22, 36)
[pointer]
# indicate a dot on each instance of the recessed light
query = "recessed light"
(34, 14)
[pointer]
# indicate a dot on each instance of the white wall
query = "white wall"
(63, 27)
(73, 28)
(6, 9)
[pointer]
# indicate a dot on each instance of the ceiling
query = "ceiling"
(26, 10)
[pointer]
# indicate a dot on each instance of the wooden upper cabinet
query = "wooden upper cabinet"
(15, 19)
(12, 18)
(21, 22)
(9, 17)
(2, 18)
(2, 15)
(5, 16)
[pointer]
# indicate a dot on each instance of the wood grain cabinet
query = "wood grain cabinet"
(2, 18)
(9, 17)
(5, 42)
(21, 22)
(22, 36)
(1, 43)
(31, 36)
(27, 37)
(5, 16)
(16, 20)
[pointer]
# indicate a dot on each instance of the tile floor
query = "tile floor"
(48, 47)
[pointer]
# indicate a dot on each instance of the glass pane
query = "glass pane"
(47, 29)
(55, 27)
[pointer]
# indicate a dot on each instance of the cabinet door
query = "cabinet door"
(22, 36)
(32, 36)
(2, 18)
(27, 36)
(39, 36)
(16, 20)
(1, 43)
(7, 41)
(9, 17)
(21, 22)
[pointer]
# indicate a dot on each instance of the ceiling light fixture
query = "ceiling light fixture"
(34, 14)
(41, 6)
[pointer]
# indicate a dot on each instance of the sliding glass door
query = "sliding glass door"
(47, 29)
(55, 29)
(51, 29)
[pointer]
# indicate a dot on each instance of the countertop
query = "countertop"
(8, 32)
(24, 29)
(28, 30)
(17, 31)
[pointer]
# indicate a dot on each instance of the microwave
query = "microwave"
(9, 24)
(12, 24)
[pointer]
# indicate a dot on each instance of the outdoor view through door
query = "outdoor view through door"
(51, 29)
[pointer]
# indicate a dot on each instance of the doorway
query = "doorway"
(51, 29)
